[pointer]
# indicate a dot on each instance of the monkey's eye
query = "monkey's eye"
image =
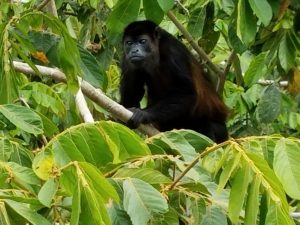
(142, 41)
(129, 43)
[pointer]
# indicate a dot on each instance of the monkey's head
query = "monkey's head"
(141, 43)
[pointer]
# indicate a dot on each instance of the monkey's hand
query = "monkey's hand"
(139, 116)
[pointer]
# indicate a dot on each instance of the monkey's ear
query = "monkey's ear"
(157, 32)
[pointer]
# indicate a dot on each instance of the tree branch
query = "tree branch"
(96, 95)
(195, 46)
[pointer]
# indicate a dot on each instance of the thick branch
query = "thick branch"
(96, 95)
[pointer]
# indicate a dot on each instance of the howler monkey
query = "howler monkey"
(178, 94)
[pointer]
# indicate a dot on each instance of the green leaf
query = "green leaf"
(45, 96)
(50, 128)
(185, 142)
(146, 174)
(268, 108)
(6, 149)
(272, 185)
(234, 40)
(4, 217)
(246, 22)
(238, 193)
(153, 11)
(23, 174)
(256, 70)
(166, 5)
(100, 184)
(47, 192)
(90, 68)
(23, 118)
(214, 215)
(76, 205)
(98, 143)
(228, 170)
(123, 13)
(286, 155)
(141, 201)
(27, 213)
(287, 52)
(262, 10)
(252, 204)
(196, 22)
(277, 216)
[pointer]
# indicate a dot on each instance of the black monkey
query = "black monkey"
(178, 94)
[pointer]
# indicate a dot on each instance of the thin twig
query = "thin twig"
(193, 163)
(222, 78)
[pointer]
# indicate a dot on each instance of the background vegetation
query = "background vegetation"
(54, 168)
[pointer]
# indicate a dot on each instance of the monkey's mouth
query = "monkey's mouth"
(136, 58)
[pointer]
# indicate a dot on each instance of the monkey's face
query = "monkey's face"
(139, 50)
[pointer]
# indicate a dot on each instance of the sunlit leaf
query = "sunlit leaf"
(23, 118)
(238, 193)
(48, 192)
(286, 155)
(27, 213)
(256, 70)
(141, 200)
(262, 9)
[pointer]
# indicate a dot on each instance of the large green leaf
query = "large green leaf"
(287, 155)
(287, 51)
(91, 68)
(23, 118)
(214, 215)
(26, 212)
(123, 13)
(230, 166)
(246, 22)
(268, 108)
(47, 192)
(153, 11)
(271, 184)
(196, 22)
(146, 174)
(142, 201)
(185, 142)
(238, 193)
(166, 5)
(263, 10)
(252, 204)
(256, 70)
(44, 96)
(97, 143)
(276, 215)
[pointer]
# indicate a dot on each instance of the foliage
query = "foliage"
(56, 169)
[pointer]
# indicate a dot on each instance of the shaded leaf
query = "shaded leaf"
(269, 106)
